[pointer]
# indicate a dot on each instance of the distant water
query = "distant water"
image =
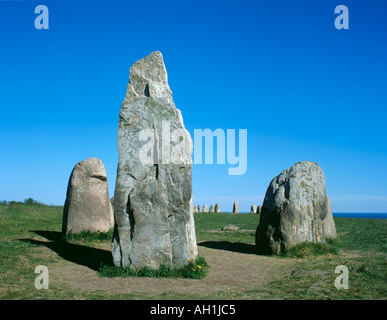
(352, 215)
(361, 215)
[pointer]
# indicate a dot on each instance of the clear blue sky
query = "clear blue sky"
(303, 90)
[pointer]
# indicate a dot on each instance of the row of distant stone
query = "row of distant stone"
(216, 208)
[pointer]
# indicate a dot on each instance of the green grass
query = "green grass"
(306, 249)
(28, 230)
(89, 236)
(197, 269)
(209, 225)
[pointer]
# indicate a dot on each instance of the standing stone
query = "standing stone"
(87, 206)
(112, 206)
(212, 209)
(253, 209)
(195, 209)
(217, 208)
(296, 209)
(235, 208)
(153, 196)
(205, 209)
(259, 209)
(198, 209)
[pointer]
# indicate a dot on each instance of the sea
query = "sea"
(360, 215)
(355, 215)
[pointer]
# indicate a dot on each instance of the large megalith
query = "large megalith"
(87, 206)
(153, 197)
(296, 209)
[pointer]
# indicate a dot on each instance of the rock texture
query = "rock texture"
(235, 208)
(212, 209)
(87, 206)
(253, 209)
(153, 196)
(296, 209)
(205, 209)
(217, 208)
(230, 227)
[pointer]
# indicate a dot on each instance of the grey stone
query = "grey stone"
(235, 208)
(253, 209)
(87, 206)
(217, 208)
(230, 228)
(296, 209)
(212, 209)
(153, 197)
(205, 209)
(259, 209)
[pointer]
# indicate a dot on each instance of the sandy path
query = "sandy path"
(231, 271)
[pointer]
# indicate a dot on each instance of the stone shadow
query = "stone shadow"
(86, 256)
(229, 246)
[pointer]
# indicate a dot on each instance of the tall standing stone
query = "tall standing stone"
(253, 208)
(296, 209)
(217, 208)
(235, 208)
(87, 206)
(153, 197)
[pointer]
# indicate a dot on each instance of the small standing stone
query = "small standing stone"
(87, 206)
(205, 209)
(259, 209)
(253, 209)
(235, 208)
(212, 209)
(217, 208)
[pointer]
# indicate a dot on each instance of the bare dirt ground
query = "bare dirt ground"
(234, 271)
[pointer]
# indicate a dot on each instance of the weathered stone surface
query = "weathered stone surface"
(230, 228)
(212, 209)
(253, 208)
(235, 208)
(259, 209)
(153, 196)
(296, 209)
(87, 206)
(205, 209)
(112, 207)
(217, 208)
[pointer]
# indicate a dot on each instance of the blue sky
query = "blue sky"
(280, 69)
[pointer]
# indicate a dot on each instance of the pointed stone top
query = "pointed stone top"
(151, 69)
(148, 77)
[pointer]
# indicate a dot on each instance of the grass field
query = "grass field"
(30, 236)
